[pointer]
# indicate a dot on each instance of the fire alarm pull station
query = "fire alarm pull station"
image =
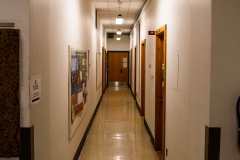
(238, 115)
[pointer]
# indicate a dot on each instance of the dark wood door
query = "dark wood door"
(143, 77)
(118, 68)
(160, 91)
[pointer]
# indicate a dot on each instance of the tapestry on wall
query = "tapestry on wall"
(78, 73)
(9, 93)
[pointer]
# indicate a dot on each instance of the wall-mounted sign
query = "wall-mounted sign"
(151, 32)
(35, 89)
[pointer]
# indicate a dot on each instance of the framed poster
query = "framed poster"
(98, 70)
(77, 87)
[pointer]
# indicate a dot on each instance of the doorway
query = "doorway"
(160, 91)
(143, 44)
(118, 68)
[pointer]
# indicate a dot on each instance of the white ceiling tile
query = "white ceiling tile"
(106, 22)
(118, 9)
(136, 3)
(109, 9)
(125, 4)
(129, 21)
(135, 7)
(103, 12)
(104, 16)
(130, 16)
(100, 3)
(123, 13)
(101, 7)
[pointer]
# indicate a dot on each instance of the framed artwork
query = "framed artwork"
(77, 87)
(98, 70)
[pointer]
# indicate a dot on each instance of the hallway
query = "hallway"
(118, 131)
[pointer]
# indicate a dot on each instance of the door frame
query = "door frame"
(135, 71)
(103, 70)
(160, 90)
(143, 76)
(130, 69)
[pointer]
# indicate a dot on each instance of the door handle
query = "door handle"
(120, 70)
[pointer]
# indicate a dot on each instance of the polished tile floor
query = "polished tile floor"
(118, 131)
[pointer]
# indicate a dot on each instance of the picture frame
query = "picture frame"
(77, 87)
(98, 70)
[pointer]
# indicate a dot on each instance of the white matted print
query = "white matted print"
(77, 87)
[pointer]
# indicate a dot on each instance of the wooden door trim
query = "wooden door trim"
(103, 70)
(130, 69)
(135, 72)
(161, 32)
(143, 70)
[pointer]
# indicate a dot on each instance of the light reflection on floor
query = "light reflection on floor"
(118, 131)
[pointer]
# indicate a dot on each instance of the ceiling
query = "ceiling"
(109, 9)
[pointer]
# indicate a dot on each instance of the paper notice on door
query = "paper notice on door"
(124, 65)
(124, 59)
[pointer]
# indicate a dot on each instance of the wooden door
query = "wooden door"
(103, 69)
(143, 44)
(160, 91)
(118, 68)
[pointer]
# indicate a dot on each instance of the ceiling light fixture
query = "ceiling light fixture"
(119, 32)
(119, 19)
(118, 38)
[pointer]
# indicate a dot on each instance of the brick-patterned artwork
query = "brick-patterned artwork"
(9, 93)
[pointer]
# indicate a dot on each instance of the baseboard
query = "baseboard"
(149, 132)
(132, 92)
(77, 154)
(27, 143)
(138, 107)
(212, 143)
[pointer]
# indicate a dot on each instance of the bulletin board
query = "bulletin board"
(9, 93)
(77, 87)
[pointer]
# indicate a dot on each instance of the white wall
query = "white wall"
(187, 109)
(225, 79)
(135, 37)
(115, 45)
(54, 25)
(132, 37)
